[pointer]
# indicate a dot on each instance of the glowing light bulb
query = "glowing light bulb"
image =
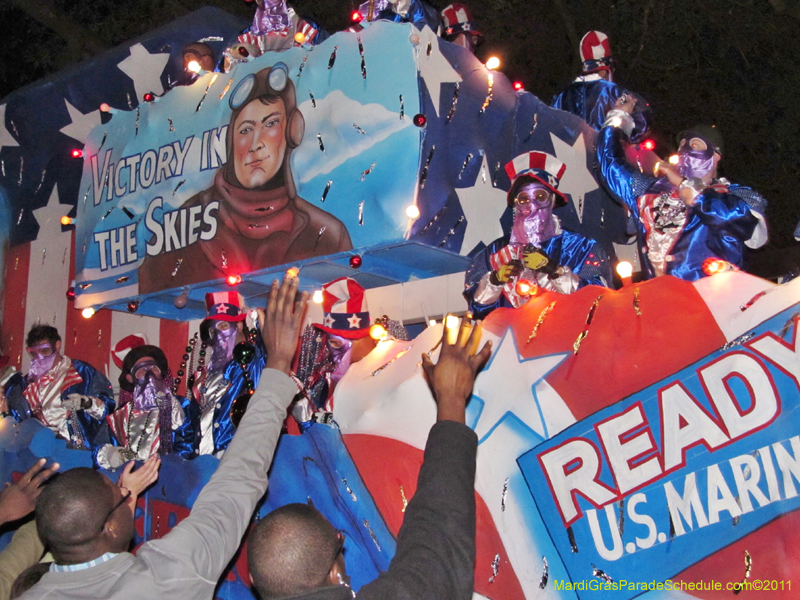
(525, 288)
(105, 107)
(300, 37)
(87, 313)
(378, 332)
(233, 280)
(674, 159)
(412, 211)
(77, 153)
(518, 86)
(493, 63)
(355, 16)
(648, 144)
(432, 323)
(65, 220)
(716, 265)
(316, 298)
(194, 66)
(624, 269)
(292, 272)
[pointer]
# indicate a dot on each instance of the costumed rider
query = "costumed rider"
(538, 254)
(277, 27)
(593, 94)
(222, 388)
(400, 11)
(327, 350)
(148, 406)
(459, 27)
(688, 215)
(68, 396)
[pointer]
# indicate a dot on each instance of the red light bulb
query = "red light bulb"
(716, 265)
(648, 144)
(356, 16)
(233, 280)
(355, 261)
(149, 97)
(518, 85)
(420, 120)
(525, 288)
(77, 153)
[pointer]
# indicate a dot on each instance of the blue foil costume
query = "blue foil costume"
(590, 97)
(83, 429)
(218, 392)
(581, 254)
(723, 219)
(185, 438)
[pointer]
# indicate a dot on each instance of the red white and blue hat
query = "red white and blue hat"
(345, 306)
(596, 53)
(539, 166)
(457, 18)
(225, 306)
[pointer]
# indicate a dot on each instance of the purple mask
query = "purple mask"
(222, 351)
(145, 394)
(533, 221)
(41, 365)
(271, 15)
(695, 163)
(341, 356)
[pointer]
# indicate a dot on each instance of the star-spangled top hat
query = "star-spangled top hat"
(225, 306)
(539, 166)
(345, 306)
(596, 53)
(457, 18)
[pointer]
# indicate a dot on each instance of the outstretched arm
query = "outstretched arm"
(435, 556)
(206, 540)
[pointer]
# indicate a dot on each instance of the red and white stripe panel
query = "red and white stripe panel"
(535, 160)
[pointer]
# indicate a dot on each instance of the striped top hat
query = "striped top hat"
(539, 166)
(345, 306)
(225, 306)
(596, 53)
(457, 19)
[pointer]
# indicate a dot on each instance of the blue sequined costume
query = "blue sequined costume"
(79, 428)
(673, 238)
(590, 97)
(582, 255)
(216, 394)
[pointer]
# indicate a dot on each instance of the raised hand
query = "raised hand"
(452, 377)
(19, 499)
(282, 321)
(139, 480)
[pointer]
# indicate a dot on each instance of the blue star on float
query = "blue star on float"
(511, 387)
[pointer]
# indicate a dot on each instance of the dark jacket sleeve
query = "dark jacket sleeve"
(435, 556)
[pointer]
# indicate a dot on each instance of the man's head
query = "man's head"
(140, 364)
(265, 126)
(294, 549)
(460, 28)
(533, 195)
(43, 345)
(81, 515)
(595, 50)
(200, 53)
(699, 152)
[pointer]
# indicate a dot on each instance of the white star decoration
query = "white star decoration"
(355, 321)
(434, 69)
(577, 180)
(80, 124)
(328, 321)
(483, 205)
(6, 139)
(145, 70)
(222, 309)
(49, 217)
(509, 386)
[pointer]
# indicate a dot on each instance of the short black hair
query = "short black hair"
(28, 578)
(72, 508)
(42, 333)
(154, 352)
(291, 550)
